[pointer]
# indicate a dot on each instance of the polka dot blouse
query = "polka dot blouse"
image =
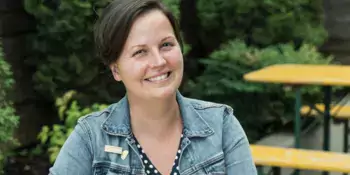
(150, 168)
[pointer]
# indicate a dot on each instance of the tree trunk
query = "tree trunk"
(15, 28)
(337, 23)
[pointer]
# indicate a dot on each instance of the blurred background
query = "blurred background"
(50, 75)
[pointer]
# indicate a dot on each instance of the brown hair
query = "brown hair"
(113, 27)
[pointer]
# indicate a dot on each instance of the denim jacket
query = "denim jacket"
(213, 143)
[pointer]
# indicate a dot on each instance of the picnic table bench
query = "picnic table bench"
(278, 157)
(339, 113)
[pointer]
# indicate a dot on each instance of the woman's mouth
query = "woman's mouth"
(159, 77)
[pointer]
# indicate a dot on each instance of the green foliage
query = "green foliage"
(64, 48)
(261, 22)
(256, 105)
(8, 118)
(69, 113)
(174, 6)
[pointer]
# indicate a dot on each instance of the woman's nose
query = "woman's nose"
(157, 60)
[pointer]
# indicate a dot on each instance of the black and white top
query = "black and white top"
(150, 168)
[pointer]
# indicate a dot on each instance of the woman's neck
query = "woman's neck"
(155, 118)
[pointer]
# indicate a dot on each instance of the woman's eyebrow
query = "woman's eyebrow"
(143, 45)
(137, 45)
(171, 37)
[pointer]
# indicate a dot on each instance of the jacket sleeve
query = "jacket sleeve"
(75, 156)
(238, 157)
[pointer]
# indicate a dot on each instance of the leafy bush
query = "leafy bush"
(64, 50)
(174, 6)
(8, 118)
(261, 23)
(69, 113)
(256, 105)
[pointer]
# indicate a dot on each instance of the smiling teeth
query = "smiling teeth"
(158, 78)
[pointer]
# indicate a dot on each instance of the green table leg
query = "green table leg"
(297, 123)
(297, 117)
(326, 129)
(260, 170)
(326, 117)
(346, 139)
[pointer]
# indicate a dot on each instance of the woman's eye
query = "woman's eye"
(138, 52)
(167, 44)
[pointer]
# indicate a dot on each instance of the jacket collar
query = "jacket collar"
(118, 120)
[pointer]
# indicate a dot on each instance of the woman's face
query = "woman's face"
(151, 63)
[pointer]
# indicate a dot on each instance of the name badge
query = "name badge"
(113, 149)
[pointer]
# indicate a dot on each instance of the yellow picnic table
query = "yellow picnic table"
(300, 158)
(301, 74)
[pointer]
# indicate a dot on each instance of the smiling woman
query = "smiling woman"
(150, 64)
(153, 129)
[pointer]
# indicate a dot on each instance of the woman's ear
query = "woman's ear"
(115, 71)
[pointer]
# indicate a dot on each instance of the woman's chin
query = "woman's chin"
(163, 93)
(166, 91)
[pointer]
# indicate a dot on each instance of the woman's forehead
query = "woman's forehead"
(153, 25)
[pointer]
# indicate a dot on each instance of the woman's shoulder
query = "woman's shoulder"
(209, 106)
(213, 113)
(98, 118)
(97, 115)
(217, 116)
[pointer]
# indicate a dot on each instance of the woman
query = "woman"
(154, 129)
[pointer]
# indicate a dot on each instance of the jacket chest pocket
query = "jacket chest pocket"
(217, 168)
(108, 168)
(215, 165)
